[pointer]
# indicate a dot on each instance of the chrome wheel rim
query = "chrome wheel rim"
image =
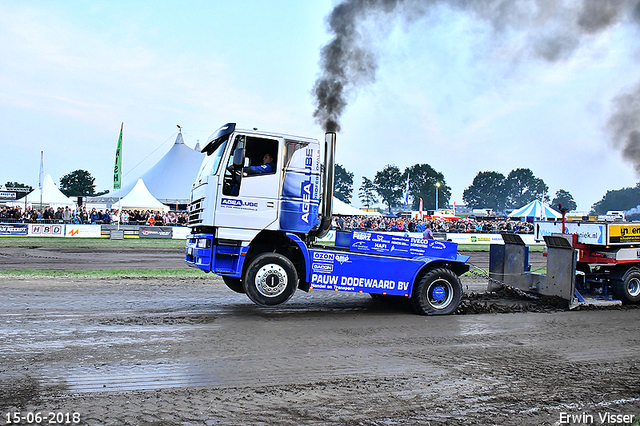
(440, 293)
(633, 287)
(271, 280)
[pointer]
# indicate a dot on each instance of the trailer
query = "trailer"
(587, 262)
(259, 229)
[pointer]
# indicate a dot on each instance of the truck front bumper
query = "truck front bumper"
(199, 251)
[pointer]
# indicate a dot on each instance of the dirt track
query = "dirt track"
(166, 351)
(74, 259)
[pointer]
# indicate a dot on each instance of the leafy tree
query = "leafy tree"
(563, 197)
(422, 184)
(18, 185)
(618, 199)
(522, 187)
(367, 192)
(25, 189)
(79, 182)
(486, 191)
(343, 184)
(388, 184)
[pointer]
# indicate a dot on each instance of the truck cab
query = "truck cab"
(236, 203)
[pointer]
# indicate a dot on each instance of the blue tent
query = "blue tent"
(536, 210)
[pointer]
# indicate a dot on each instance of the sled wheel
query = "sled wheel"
(270, 280)
(437, 293)
(628, 289)
(234, 284)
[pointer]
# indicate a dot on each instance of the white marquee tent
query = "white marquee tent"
(139, 199)
(169, 180)
(50, 195)
(536, 210)
(341, 208)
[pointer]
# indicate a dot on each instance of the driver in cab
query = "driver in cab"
(266, 167)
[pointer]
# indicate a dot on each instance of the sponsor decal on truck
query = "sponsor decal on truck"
(624, 233)
(236, 203)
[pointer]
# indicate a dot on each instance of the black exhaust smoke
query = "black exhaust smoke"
(624, 126)
(553, 29)
(347, 61)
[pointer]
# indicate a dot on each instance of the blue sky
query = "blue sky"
(449, 92)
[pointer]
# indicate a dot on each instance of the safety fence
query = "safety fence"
(181, 232)
(460, 238)
(91, 231)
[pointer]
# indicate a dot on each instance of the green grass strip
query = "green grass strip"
(485, 247)
(116, 273)
(36, 242)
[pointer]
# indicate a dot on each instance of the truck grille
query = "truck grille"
(195, 209)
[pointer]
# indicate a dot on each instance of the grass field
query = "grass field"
(97, 243)
(116, 273)
(90, 242)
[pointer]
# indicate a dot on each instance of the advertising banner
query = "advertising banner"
(155, 232)
(14, 229)
(464, 238)
(629, 233)
(7, 195)
(588, 233)
(180, 232)
(354, 272)
(395, 245)
(46, 230)
(82, 231)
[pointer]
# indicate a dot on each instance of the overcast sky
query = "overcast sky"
(448, 91)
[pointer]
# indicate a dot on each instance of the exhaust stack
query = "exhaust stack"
(327, 184)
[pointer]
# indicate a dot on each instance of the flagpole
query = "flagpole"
(117, 172)
(40, 177)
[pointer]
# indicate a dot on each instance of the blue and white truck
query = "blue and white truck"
(259, 231)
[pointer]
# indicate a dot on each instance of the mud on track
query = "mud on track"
(168, 351)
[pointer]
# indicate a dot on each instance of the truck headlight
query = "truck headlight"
(204, 243)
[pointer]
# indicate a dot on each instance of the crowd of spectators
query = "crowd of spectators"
(465, 225)
(82, 215)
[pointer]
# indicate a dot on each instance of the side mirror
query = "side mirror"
(238, 157)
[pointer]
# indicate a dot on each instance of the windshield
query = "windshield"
(211, 162)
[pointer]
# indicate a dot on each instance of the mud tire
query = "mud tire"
(628, 289)
(437, 293)
(270, 280)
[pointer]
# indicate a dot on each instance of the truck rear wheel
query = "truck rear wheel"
(234, 284)
(628, 289)
(438, 293)
(270, 280)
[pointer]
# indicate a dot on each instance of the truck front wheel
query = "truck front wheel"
(628, 289)
(438, 293)
(270, 280)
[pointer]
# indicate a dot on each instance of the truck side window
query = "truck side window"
(262, 154)
(233, 173)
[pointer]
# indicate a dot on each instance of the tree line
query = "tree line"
(489, 189)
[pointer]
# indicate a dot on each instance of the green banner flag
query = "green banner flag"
(117, 169)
